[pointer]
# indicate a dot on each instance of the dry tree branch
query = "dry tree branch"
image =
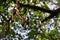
(20, 16)
(18, 13)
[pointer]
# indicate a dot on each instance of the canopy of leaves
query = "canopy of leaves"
(33, 28)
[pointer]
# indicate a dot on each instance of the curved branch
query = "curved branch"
(52, 12)
(35, 7)
(55, 13)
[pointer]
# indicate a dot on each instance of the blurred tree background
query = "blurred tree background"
(29, 19)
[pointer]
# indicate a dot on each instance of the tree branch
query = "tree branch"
(35, 7)
(52, 12)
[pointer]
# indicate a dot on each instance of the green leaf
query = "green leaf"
(1, 8)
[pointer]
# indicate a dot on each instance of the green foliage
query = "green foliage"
(33, 24)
